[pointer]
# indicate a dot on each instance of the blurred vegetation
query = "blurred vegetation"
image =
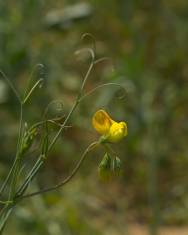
(147, 42)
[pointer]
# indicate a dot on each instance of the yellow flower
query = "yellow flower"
(112, 131)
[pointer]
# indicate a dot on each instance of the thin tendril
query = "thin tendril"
(66, 180)
(11, 85)
(104, 59)
(41, 66)
(100, 86)
(18, 144)
(92, 54)
(92, 38)
(89, 50)
(50, 104)
(37, 84)
(41, 159)
(78, 97)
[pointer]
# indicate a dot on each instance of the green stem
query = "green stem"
(65, 181)
(32, 90)
(64, 124)
(8, 177)
(15, 169)
(7, 210)
(18, 156)
(39, 163)
(30, 176)
(12, 170)
(109, 149)
(14, 179)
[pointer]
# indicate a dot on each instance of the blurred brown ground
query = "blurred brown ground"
(135, 229)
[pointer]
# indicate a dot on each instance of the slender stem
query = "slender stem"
(3, 210)
(11, 85)
(87, 75)
(5, 215)
(17, 152)
(5, 202)
(63, 125)
(66, 180)
(101, 86)
(29, 177)
(109, 149)
(31, 76)
(8, 177)
(14, 179)
(15, 197)
(32, 90)
(74, 105)
(39, 163)
(17, 158)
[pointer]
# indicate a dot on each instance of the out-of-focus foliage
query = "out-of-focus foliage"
(147, 42)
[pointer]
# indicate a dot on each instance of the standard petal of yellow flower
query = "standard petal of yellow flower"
(117, 132)
(102, 122)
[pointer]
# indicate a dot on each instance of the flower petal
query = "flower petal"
(117, 132)
(102, 122)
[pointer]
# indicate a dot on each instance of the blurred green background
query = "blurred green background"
(147, 43)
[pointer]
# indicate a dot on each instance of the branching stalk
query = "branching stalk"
(65, 181)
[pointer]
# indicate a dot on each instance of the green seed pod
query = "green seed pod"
(28, 139)
(116, 164)
(104, 168)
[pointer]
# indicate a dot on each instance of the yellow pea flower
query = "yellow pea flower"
(111, 130)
